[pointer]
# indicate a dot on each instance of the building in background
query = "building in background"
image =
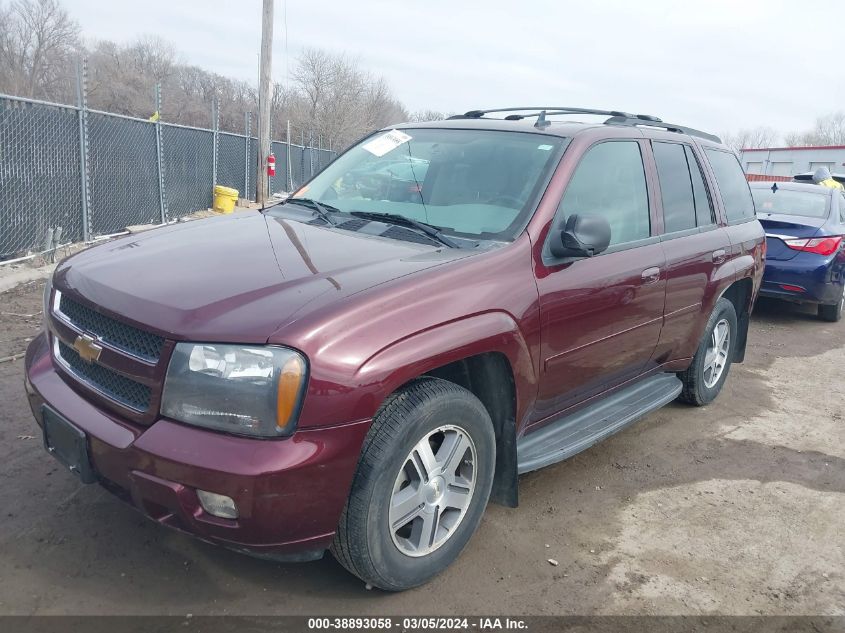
(782, 163)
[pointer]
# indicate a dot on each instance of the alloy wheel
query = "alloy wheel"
(432, 491)
(716, 356)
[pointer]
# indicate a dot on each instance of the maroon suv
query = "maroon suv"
(445, 306)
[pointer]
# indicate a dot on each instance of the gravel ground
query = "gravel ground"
(735, 508)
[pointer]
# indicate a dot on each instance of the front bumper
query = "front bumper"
(289, 493)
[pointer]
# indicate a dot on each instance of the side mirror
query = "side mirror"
(583, 236)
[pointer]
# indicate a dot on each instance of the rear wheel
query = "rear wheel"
(421, 487)
(704, 378)
(833, 313)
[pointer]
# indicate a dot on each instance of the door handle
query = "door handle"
(651, 275)
(719, 256)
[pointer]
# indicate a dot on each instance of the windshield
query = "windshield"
(786, 202)
(474, 183)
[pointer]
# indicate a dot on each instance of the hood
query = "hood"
(237, 278)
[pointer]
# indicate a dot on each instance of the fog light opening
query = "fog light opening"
(218, 505)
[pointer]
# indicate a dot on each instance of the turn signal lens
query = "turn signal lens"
(817, 245)
(291, 378)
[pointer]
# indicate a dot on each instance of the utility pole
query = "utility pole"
(265, 69)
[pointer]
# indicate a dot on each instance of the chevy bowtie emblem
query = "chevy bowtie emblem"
(87, 348)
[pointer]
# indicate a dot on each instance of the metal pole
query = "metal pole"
(247, 126)
(82, 102)
(265, 69)
(161, 204)
(289, 179)
(215, 125)
(311, 153)
(302, 155)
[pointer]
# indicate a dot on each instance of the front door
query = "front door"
(601, 316)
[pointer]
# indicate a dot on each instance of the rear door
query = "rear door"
(694, 244)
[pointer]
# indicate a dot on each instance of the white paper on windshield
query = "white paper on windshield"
(386, 142)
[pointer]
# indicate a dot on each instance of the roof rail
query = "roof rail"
(617, 117)
(670, 127)
(477, 114)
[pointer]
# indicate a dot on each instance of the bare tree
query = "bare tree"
(331, 99)
(828, 130)
(38, 43)
(335, 99)
(427, 115)
(750, 138)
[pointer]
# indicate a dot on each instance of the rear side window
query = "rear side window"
(610, 181)
(733, 186)
(703, 207)
(675, 187)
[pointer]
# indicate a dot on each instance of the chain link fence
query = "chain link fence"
(95, 173)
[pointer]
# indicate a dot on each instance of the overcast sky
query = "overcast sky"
(718, 65)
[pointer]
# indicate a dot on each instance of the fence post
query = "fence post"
(247, 125)
(311, 153)
(302, 155)
(159, 161)
(289, 178)
(215, 126)
(82, 103)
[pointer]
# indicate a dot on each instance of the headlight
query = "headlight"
(247, 390)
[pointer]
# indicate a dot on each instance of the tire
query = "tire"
(832, 313)
(389, 480)
(700, 388)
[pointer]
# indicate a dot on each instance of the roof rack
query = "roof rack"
(617, 117)
(670, 127)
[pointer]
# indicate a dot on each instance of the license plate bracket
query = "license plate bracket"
(68, 444)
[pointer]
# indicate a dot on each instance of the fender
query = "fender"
(408, 358)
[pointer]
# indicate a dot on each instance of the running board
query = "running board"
(578, 431)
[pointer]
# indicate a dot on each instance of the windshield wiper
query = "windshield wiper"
(394, 218)
(320, 209)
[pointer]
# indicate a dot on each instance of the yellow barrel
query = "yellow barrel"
(224, 199)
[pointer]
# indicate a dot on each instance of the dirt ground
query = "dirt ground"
(736, 508)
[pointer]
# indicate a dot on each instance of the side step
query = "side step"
(578, 431)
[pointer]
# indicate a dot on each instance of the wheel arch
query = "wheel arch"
(484, 353)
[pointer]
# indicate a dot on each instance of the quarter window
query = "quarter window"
(610, 181)
(733, 186)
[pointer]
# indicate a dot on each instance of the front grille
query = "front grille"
(120, 335)
(119, 388)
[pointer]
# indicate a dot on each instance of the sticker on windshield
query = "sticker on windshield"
(545, 148)
(386, 142)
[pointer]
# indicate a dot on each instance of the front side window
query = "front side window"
(733, 186)
(473, 183)
(610, 181)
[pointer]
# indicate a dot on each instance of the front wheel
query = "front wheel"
(704, 378)
(421, 487)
